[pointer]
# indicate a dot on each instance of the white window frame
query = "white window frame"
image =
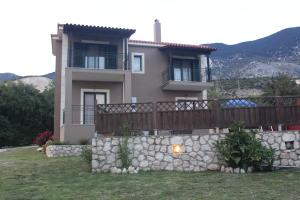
(143, 62)
(82, 91)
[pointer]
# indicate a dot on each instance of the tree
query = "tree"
(282, 85)
(24, 112)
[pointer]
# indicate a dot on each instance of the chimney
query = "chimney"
(157, 31)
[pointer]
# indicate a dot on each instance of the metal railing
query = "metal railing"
(193, 75)
(83, 114)
(101, 61)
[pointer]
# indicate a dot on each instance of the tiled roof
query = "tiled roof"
(104, 29)
(179, 45)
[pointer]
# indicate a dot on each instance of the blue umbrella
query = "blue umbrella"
(235, 103)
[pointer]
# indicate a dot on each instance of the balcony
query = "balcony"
(186, 79)
(107, 67)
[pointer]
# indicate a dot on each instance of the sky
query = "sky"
(25, 44)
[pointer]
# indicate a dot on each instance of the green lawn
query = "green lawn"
(27, 174)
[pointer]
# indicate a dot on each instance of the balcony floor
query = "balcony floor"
(187, 85)
(106, 75)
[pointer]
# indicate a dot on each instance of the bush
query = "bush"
(86, 155)
(83, 141)
(124, 152)
(55, 142)
(43, 137)
(241, 149)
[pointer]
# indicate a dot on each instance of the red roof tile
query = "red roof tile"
(170, 44)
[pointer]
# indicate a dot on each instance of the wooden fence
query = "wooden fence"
(200, 114)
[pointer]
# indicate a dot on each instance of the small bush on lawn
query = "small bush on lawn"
(83, 141)
(86, 155)
(124, 152)
(240, 149)
(43, 137)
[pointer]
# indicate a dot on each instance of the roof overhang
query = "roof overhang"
(97, 30)
(202, 49)
(54, 39)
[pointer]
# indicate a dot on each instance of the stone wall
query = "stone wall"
(198, 152)
(281, 141)
(155, 153)
(65, 150)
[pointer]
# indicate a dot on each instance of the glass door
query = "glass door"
(91, 99)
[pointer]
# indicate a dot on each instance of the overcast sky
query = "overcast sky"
(25, 45)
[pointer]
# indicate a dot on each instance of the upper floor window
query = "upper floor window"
(94, 56)
(138, 65)
(185, 70)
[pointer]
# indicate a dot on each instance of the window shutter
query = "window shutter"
(78, 56)
(196, 70)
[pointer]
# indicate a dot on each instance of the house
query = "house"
(101, 65)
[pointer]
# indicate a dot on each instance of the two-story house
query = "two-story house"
(101, 65)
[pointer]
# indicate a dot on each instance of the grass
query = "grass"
(27, 174)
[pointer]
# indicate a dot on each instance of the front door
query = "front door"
(91, 99)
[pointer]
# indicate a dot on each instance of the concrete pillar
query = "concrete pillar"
(68, 97)
(203, 67)
(127, 88)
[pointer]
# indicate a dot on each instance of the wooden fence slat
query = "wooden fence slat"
(173, 116)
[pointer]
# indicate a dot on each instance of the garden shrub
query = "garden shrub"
(43, 137)
(241, 149)
(123, 151)
(83, 141)
(86, 155)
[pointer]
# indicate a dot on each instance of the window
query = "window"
(185, 70)
(90, 100)
(137, 62)
(94, 62)
(94, 56)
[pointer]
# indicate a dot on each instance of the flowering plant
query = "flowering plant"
(43, 137)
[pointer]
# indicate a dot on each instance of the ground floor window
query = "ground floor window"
(90, 100)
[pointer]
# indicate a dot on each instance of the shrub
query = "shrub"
(43, 137)
(124, 152)
(86, 155)
(241, 149)
(55, 142)
(83, 141)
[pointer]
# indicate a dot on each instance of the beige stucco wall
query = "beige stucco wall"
(57, 97)
(115, 90)
(147, 87)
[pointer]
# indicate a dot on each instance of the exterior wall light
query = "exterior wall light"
(177, 149)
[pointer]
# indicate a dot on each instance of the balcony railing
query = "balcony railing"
(101, 62)
(194, 74)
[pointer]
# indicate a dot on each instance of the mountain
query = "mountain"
(8, 76)
(11, 76)
(38, 82)
(265, 57)
(50, 75)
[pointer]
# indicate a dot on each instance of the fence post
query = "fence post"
(217, 111)
(154, 116)
(278, 111)
(96, 122)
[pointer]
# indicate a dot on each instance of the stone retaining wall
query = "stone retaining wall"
(198, 152)
(155, 153)
(280, 141)
(65, 150)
